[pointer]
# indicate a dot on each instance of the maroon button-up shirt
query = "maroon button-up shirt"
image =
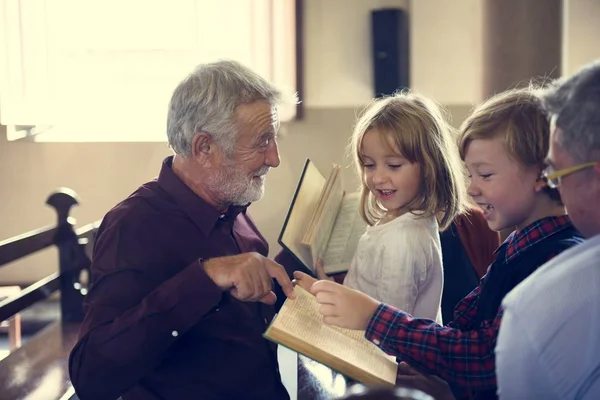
(156, 325)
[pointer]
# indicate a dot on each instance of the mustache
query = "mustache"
(262, 171)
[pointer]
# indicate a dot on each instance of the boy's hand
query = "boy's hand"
(342, 306)
(303, 280)
(321, 271)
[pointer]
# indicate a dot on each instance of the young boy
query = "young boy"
(503, 144)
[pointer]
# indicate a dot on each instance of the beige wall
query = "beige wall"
(581, 33)
(338, 51)
(445, 50)
(446, 53)
(446, 64)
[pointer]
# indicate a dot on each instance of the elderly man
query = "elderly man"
(549, 342)
(181, 286)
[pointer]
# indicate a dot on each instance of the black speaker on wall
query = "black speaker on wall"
(389, 29)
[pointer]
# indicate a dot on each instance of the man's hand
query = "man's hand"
(248, 277)
(430, 384)
(342, 306)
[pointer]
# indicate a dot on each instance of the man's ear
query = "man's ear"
(540, 184)
(203, 147)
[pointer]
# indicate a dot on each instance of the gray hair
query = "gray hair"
(575, 104)
(205, 101)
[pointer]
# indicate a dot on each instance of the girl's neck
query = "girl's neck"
(392, 215)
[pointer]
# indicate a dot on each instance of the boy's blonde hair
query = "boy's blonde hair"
(416, 127)
(517, 116)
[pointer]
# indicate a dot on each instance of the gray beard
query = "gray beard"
(233, 186)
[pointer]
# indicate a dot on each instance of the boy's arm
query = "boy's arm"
(464, 358)
(466, 310)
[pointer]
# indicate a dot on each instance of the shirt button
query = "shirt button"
(376, 341)
(175, 333)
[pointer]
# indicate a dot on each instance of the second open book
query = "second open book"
(323, 221)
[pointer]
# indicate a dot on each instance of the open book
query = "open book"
(300, 327)
(323, 221)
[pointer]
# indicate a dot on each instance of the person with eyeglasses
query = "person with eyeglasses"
(552, 176)
(549, 341)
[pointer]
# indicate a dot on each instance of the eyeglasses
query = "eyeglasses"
(553, 177)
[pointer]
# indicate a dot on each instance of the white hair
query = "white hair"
(205, 101)
(575, 105)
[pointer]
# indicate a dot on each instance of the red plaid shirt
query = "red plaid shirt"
(459, 352)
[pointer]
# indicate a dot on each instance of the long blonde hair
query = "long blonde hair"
(419, 131)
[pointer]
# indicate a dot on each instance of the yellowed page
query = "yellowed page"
(325, 193)
(324, 227)
(347, 230)
(304, 205)
(300, 318)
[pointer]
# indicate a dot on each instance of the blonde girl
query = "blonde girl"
(412, 185)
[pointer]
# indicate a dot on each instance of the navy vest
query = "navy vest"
(503, 277)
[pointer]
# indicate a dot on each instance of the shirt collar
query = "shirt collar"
(520, 241)
(199, 211)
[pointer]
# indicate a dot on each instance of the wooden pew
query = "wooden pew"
(39, 368)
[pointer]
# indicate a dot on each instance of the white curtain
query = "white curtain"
(104, 70)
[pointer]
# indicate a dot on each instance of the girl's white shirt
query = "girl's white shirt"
(400, 263)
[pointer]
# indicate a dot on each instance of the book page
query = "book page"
(301, 319)
(325, 193)
(324, 226)
(304, 204)
(347, 230)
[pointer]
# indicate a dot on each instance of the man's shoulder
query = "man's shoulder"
(143, 228)
(147, 205)
(553, 307)
(559, 285)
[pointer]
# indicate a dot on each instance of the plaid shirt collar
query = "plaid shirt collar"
(520, 241)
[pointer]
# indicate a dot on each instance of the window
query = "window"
(104, 70)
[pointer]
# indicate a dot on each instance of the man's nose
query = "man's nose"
(272, 155)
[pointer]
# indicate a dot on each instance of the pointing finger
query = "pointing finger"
(278, 272)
